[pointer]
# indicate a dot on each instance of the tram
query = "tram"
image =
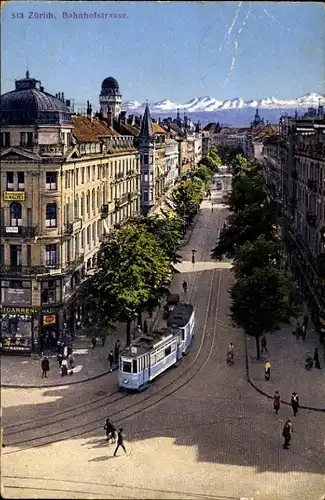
(152, 354)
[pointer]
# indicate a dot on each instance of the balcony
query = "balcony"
(73, 264)
(316, 151)
(106, 209)
(125, 198)
(72, 227)
(311, 219)
(19, 232)
(9, 271)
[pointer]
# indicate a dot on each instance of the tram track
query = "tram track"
(124, 413)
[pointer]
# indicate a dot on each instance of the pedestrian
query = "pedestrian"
(117, 351)
(263, 345)
(93, 342)
(286, 433)
(110, 359)
(299, 330)
(276, 402)
(306, 320)
(45, 366)
(120, 441)
(295, 403)
(110, 431)
(267, 373)
(64, 367)
(139, 330)
(316, 358)
(304, 331)
(71, 364)
(145, 327)
(60, 358)
(184, 285)
(211, 207)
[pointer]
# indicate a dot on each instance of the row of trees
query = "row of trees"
(135, 262)
(262, 296)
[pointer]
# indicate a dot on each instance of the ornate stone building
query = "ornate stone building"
(65, 181)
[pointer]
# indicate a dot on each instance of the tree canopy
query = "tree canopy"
(245, 192)
(261, 302)
(187, 199)
(255, 255)
(132, 269)
(167, 229)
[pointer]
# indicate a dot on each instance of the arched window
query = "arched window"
(99, 228)
(51, 215)
(88, 203)
(98, 201)
(16, 214)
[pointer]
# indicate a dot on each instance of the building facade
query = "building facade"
(295, 171)
(65, 182)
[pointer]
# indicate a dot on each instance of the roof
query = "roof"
(176, 129)
(271, 140)
(145, 343)
(158, 129)
(147, 129)
(211, 127)
(126, 128)
(110, 83)
(90, 130)
(180, 315)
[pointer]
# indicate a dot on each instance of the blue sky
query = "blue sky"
(171, 51)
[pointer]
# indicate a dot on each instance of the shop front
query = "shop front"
(19, 332)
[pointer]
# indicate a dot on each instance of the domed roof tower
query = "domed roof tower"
(110, 99)
(28, 104)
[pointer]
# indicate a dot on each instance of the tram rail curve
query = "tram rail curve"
(121, 412)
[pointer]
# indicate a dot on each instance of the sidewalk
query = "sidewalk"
(288, 374)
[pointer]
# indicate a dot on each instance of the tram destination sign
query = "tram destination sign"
(14, 196)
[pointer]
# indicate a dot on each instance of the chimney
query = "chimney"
(56, 95)
(42, 89)
(59, 96)
(63, 96)
(123, 116)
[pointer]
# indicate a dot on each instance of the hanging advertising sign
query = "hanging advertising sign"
(49, 319)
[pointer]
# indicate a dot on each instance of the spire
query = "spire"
(146, 124)
(27, 73)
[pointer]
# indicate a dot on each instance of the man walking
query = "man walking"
(316, 358)
(276, 402)
(45, 366)
(267, 373)
(110, 431)
(295, 403)
(263, 345)
(286, 433)
(184, 285)
(110, 359)
(120, 442)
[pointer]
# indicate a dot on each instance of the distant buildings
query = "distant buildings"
(294, 164)
(66, 180)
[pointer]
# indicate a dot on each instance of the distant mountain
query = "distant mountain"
(206, 104)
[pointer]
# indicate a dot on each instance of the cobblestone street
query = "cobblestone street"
(215, 437)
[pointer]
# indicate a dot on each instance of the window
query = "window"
(126, 367)
(29, 255)
(88, 235)
(51, 214)
(51, 255)
(145, 195)
(88, 174)
(98, 171)
(88, 204)
(134, 366)
(82, 205)
(94, 173)
(7, 139)
(29, 138)
(146, 159)
(10, 181)
(22, 139)
(68, 139)
(15, 214)
(15, 255)
(76, 207)
(82, 243)
(51, 291)
(21, 181)
(83, 175)
(51, 181)
(93, 200)
(94, 231)
(68, 251)
(168, 351)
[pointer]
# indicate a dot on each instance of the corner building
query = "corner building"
(66, 180)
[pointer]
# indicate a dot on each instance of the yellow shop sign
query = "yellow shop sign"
(14, 196)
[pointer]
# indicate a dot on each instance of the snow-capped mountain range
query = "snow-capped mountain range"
(211, 104)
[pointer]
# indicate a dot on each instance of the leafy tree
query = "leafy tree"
(228, 154)
(261, 302)
(255, 255)
(133, 268)
(187, 199)
(247, 191)
(204, 173)
(246, 225)
(167, 229)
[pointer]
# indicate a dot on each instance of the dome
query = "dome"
(29, 104)
(110, 83)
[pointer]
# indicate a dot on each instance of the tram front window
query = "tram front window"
(126, 367)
